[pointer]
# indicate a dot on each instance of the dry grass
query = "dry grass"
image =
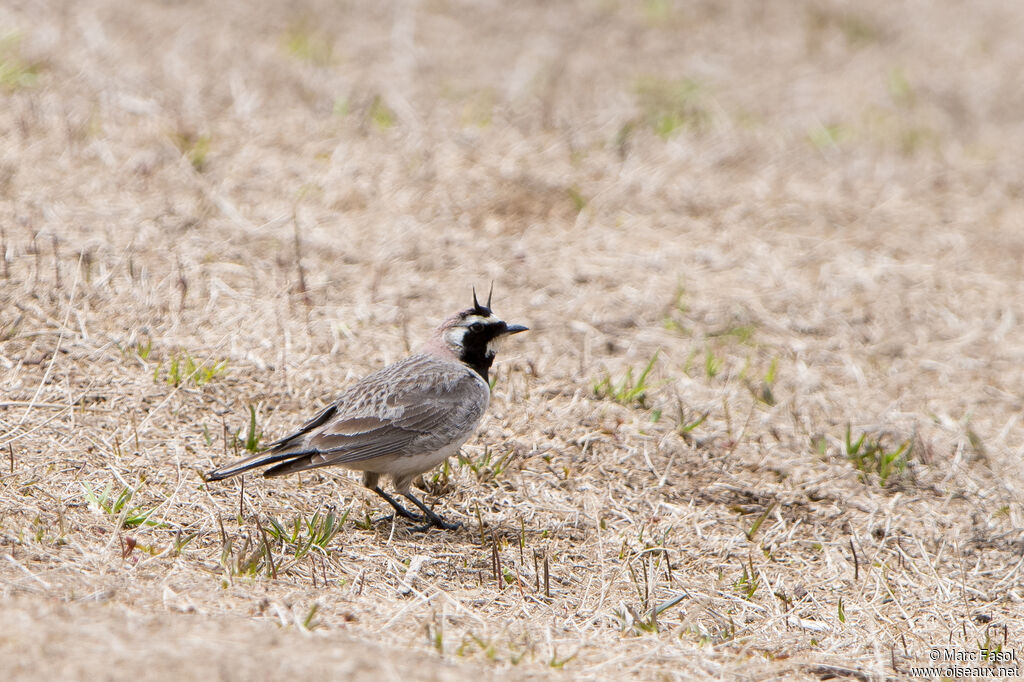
(811, 213)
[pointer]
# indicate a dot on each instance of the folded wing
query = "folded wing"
(381, 415)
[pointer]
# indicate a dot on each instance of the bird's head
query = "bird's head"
(475, 334)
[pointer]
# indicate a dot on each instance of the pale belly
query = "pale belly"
(413, 465)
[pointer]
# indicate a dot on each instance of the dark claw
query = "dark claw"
(391, 517)
(435, 520)
(443, 524)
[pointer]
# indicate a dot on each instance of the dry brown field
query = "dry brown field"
(766, 423)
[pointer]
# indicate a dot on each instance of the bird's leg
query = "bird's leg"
(432, 517)
(399, 509)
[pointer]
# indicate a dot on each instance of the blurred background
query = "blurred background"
(834, 178)
(802, 218)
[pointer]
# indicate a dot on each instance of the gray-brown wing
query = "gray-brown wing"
(418, 408)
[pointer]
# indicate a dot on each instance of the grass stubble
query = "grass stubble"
(766, 425)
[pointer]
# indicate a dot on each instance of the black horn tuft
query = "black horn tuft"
(481, 309)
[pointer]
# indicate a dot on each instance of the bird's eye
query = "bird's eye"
(476, 327)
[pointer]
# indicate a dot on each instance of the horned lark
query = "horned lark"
(403, 420)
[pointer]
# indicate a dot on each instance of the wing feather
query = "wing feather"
(415, 406)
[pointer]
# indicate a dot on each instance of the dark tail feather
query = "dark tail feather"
(302, 461)
(254, 461)
(279, 451)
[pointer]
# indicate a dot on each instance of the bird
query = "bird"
(400, 421)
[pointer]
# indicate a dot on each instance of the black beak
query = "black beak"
(515, 328)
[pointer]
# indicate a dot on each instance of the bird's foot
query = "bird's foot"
(433, 519)
(439, 523)
(391, 517)
(399, 509)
